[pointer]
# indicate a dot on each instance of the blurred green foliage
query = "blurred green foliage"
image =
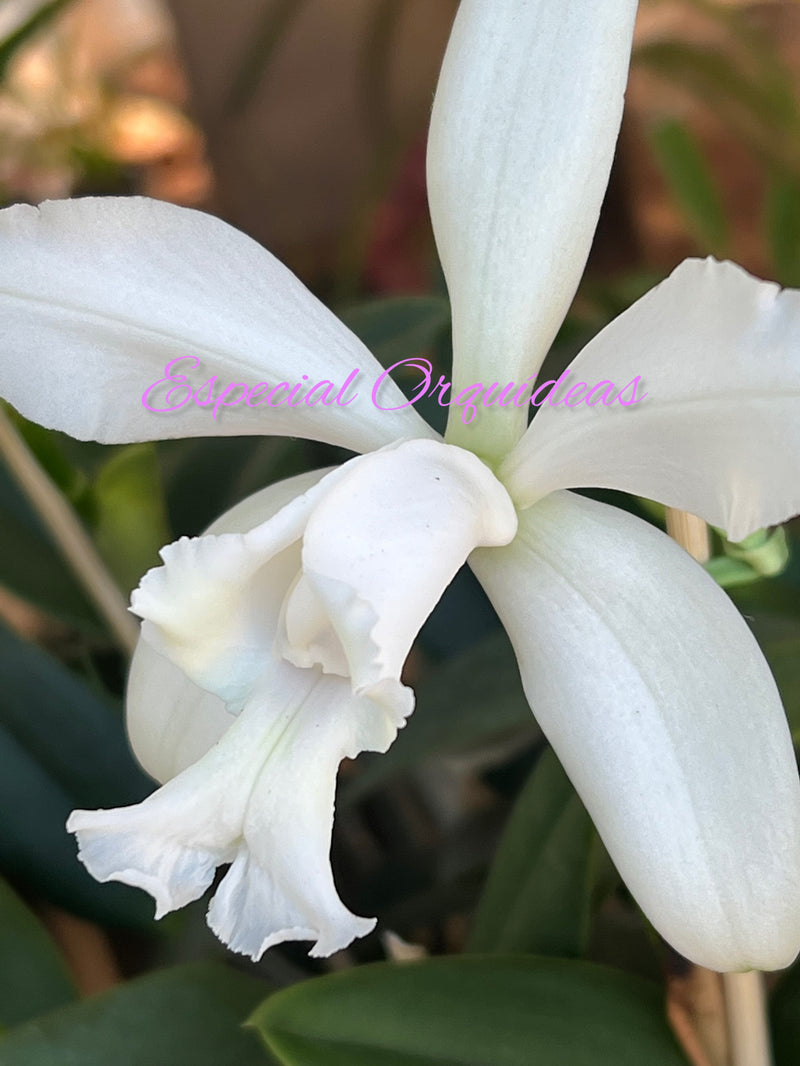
(38, 20)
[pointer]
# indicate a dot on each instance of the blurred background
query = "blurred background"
(303, 123)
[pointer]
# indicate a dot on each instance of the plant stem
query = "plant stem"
(691, 533)
(69, 535)
(746, 1004)
(745, 1000)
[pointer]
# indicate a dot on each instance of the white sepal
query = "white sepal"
(522, 137)
(718, 433)
(658, 701)
(97, 296)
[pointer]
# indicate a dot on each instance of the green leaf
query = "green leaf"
(783, 227)
(73, 734)
(399, 327)
(470, 700)
(35, 846)
(33, 976)
(130, 520)
(538, 893)
(470, 1011)
(60, 748)
(186, 1016)
(682, 163)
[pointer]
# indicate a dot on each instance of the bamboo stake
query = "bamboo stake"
(745, 999)
(746, 1004)
(68, 533)
(691, 533)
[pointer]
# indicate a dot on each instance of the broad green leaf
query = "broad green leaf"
(61, 747)
(33, 976)
(75, 736)
(783, 227)
(36, 848)
(129, 520)
(461, 619)
(186, 1016)
(469, 701)
(683, 166)
(538, 893)
(399, 327)
(470, 1011)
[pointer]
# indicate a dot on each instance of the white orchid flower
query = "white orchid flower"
(272, 646)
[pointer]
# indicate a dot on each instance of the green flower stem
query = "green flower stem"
(68, 534)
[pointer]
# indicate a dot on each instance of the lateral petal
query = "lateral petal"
(97, 296)
(658, 701)
(718, 435)
(522, 138)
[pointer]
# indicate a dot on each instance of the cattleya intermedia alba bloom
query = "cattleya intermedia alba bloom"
(272, 646)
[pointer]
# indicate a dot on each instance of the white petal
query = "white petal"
(662, 709)
(379, 550)
(382, 537)
(261, 799)
(522, 138)
(213, 608)
(718, 434)
(171, 721)
(97, 296)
